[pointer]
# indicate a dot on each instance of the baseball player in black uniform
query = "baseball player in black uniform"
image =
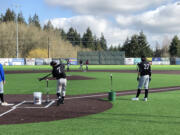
(81, 65)
(144, 77)
(68, 64)
(58, 72)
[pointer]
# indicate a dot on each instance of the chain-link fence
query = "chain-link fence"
(102, 57)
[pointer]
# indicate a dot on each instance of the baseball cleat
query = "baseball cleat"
(6, 104)
(135, 99)
(145, 99)
(62, 101)
(59, 101)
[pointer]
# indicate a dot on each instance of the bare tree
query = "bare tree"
(165, 46)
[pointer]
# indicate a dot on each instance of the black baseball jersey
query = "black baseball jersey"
(58, 71)
(144, 68)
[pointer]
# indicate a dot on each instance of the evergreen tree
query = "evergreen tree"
(35, 21)
(143, 47)
(119, 47)
(48, 26)
(97, 44)
(126, 47)
(21, 18)
(137, 46)
(111, 48)
(30, 20)
(9, 16)
(71, 36)
(134, 51)
(174, 47)
(130, 46)
(63, 34)
(103, 42)
(87, 39)
(77, 38)
(1, 18)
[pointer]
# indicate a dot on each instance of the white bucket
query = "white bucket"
(37, 98)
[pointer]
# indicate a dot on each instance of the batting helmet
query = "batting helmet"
(53, 63)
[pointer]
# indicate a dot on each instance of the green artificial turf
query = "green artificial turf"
(94, 67)
(28, 83)
(27, 67)
(159, 116)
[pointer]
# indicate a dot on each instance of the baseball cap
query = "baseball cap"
(143, 58)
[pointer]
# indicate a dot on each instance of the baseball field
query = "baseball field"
(87, 110)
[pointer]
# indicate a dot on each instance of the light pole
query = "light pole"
(17, 36)
(17, 40)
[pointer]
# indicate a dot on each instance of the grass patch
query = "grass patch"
(94, 67)
(28, 83)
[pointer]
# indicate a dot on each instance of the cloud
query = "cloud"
(106, 7)
(81, 23)
(156, 23)
(113, 34)
(164, 19)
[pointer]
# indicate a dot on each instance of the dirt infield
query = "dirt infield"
(24, 110)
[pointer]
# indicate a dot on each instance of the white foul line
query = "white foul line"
(118, 93)
(121, 93)
(13, 108)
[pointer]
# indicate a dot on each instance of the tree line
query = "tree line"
(138, 45)
(33, 41)
(88, 40)
(134, 46)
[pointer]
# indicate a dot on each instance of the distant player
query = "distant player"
(81, 65)
(68, 64)
(87, 62)
(144, 77)
(60, 75)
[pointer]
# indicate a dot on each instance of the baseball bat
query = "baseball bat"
(47, 92)
(44, 77)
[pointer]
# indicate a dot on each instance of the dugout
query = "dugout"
(102, 57)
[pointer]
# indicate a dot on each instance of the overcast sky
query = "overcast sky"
(116, 19)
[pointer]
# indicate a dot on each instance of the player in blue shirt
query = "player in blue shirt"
(2, 82)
